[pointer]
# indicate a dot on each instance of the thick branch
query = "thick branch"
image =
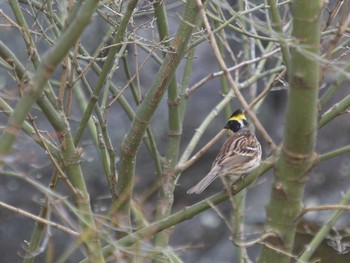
(297, 155)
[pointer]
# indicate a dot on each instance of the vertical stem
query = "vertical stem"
(167, 178)
(277, 26)
(148, 106)
(297, 154)
(106, 68)
(71, 158)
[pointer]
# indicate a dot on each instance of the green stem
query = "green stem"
(135, 94)
(109, 162)
(186, 78)
(223, 81)
(146, 109)
(19, 70)
(168, 178)
(149, 140)
(29, 130)
(297, 155)
(81, 101)
(106, 68)
(334, 153)
(71, 159)
(277, 26)
(336, 110)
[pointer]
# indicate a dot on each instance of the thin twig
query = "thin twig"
(267, 90)
(218, 212)
(324, 208)
(341, 30)
(200, 153)
(335, 153)
(220, 73)
(39, 219)
(253, 242)
(332, 14)
(223, 66)
(128, 82)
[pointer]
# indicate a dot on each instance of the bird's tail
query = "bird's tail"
(204, 183)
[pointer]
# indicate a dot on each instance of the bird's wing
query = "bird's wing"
(237, 150)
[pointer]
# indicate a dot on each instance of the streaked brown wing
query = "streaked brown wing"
(237, 150)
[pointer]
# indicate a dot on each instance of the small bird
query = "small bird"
(239, 155)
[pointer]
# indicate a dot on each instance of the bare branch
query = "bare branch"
(39, 219)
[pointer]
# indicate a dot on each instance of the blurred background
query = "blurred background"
(204, 238)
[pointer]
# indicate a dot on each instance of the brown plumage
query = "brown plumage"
(240, 154)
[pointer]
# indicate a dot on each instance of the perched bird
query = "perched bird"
(240, 154)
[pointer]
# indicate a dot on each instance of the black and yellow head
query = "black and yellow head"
(236, 121)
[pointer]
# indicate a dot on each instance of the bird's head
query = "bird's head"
(237, 121)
